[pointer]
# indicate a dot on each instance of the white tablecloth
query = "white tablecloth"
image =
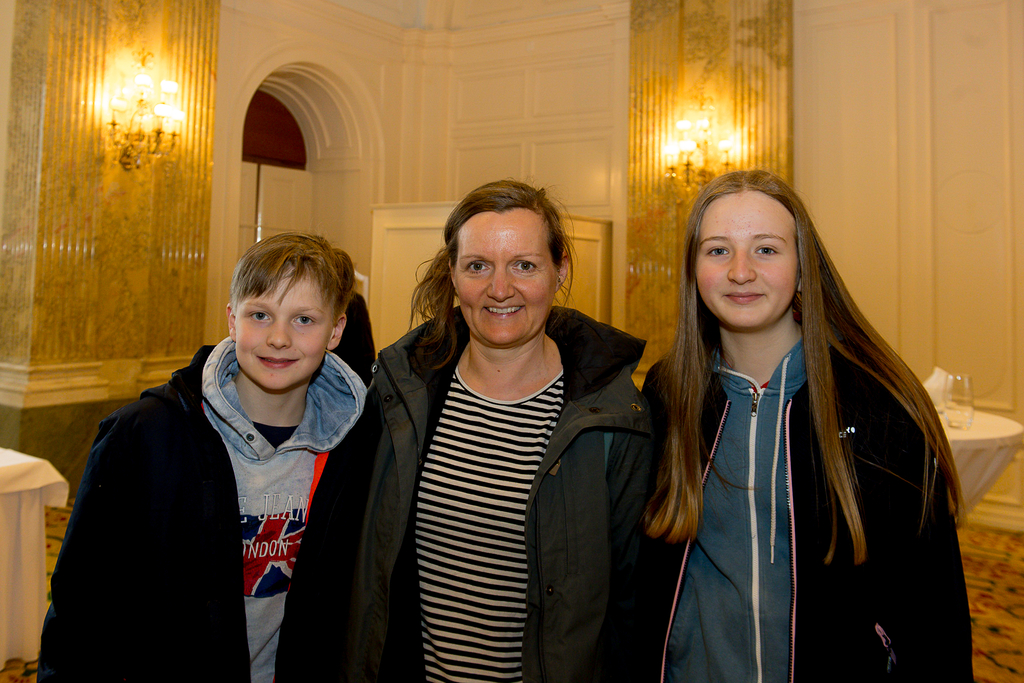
(26, 485)
(983, 452)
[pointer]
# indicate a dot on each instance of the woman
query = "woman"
(806, 501)
(512, 460)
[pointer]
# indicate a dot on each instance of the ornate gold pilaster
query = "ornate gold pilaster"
(102, 270)
(725, 60)
(651, 225)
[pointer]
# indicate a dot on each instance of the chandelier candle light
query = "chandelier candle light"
(145, 129)
(680, 154)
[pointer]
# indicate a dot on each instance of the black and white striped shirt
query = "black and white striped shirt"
(470, 531)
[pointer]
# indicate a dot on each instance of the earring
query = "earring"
(797, 308)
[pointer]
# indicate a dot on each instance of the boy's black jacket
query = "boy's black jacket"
(149, 585)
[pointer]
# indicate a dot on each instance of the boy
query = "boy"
(150, 584)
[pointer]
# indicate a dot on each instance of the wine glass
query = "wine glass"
(959, 401)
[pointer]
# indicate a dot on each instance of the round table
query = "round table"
(26, 485)
(983, 452)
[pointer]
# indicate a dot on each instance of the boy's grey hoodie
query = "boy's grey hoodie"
(274, 485)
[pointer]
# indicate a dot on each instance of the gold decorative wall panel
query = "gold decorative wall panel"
(19, 228)
(70, 171)
(762, 84)
(651, 242)
(725, 61)
(100, 263)
(182, 191)
(102, 269)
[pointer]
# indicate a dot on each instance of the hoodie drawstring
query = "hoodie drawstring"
(775, 459)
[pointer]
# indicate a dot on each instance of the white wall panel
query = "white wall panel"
(578, 169)
(848, 116)
(592, 272)
(397, 12)
(404, 237)
(577, 88)
(909, 141)
(544, 100)
(555, 100)
(970, 183)
(338, 213)
(469, 13)
(475, 165)
(490, 96)
(285, 200)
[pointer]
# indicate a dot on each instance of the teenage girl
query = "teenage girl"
(804, 513)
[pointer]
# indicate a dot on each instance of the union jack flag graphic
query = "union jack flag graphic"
(269, 547)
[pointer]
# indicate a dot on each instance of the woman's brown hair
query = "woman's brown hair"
(433, 299)
(829, 318)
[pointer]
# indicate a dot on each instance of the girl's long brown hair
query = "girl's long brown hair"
(830, 318)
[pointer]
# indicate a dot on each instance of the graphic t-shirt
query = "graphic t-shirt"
(273, 498)
(270, 535)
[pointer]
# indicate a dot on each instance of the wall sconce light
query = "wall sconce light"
(697, 137)
(140, 128)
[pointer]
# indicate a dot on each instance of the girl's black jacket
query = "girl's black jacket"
(912, 585)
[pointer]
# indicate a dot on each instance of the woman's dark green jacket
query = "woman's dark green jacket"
(353, 608)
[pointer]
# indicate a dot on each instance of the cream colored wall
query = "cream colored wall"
(547, 101)
(909, 148)
(341, 75)
(399, 114)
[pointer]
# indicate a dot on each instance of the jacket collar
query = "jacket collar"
(188, 381)
(334, 400)
(593, 353)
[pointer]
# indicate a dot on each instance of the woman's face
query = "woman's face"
(505, 277)
(747, 265)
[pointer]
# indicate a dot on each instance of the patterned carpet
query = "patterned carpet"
(994, 566)
(993, 563)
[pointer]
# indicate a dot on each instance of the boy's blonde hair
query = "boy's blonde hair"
(293, 257)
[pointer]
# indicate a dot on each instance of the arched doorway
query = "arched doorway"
(276, 193)
(343, 139)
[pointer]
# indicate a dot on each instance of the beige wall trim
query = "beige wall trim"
(25, 386)
(155, 371)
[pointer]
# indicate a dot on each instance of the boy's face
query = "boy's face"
(281, 338)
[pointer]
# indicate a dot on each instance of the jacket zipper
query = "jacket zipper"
(391, 572)
(689, 544)
(755, 578)
(887, 643)
(792, 552)
(541, 589)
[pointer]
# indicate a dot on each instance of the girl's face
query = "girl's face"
(747, 266)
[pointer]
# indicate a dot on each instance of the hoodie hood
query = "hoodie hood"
(334, 400)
